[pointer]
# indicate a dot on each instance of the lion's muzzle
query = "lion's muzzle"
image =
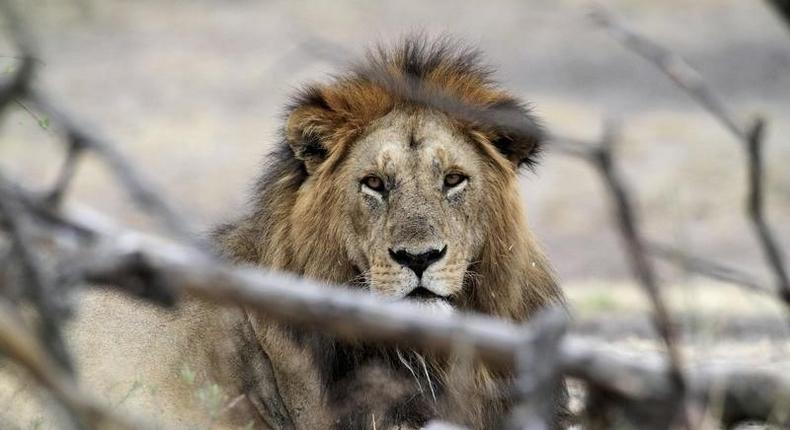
(418, 262)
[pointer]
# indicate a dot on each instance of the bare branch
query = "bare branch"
(674, 66)
(138, 189)
(586, 151)
(708, 268)
(635, 250)
(19, 83)
(692, 83)
(181, 270)
(39, 287)
(178, 269)
(756, 210)
(573, 147)
(539, 375)
(644, 391)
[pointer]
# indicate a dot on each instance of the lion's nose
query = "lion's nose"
(418, 262)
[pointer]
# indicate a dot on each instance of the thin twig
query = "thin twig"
(642, 388)
(674, 66)
(708, 268)
(42, 122)
(18, 84)
(65, 175)
(572, 147)
(757, 213)
(138, 189)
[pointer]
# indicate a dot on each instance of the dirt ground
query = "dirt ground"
(192, 91)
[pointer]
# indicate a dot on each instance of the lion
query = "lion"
(399, 178)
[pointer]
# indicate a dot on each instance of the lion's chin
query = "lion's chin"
(435, 306)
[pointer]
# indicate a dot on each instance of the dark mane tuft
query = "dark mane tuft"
(442, 74)
(418, 57)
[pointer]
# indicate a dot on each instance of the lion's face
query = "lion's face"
(413, 191)
(401, 177)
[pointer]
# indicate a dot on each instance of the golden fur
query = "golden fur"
(296, 225)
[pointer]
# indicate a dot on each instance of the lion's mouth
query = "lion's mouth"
(430, 301)
(423, 294)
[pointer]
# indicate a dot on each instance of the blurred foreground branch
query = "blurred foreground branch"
(129, 259)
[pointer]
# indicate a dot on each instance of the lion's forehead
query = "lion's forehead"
(407, 143)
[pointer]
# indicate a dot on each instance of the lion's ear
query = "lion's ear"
(310, 125)
(516, 133)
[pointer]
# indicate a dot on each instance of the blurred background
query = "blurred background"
(193, 92)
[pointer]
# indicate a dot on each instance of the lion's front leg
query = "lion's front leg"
(294, 383)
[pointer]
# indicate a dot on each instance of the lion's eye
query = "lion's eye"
(374, 183)
(453, 180)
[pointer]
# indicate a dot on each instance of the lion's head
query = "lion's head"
(413, 185)
(401, 177)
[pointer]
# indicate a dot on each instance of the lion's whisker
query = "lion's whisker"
(360, 280)
(427, 375)
(413, 373)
